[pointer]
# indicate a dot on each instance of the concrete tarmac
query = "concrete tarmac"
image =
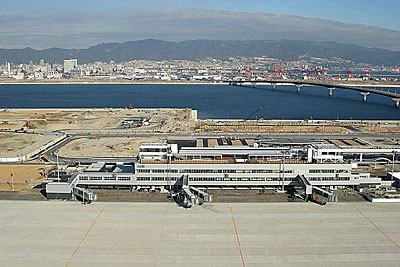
(56, 233)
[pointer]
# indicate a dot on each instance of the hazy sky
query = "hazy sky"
(81, 23)
(381, 13)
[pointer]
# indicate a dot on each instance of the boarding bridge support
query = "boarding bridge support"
(80, 193)
(331, 91)
(299, 87)
(325, 193)
(307, 187)
(189, 195)
(397, 100)
(205, 196)
(85, 195)
(364, 95)
(185, 181)
(185, 195)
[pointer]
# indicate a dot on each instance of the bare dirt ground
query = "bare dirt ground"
(92, 119)
(25, 176)
(247, 196)
(219, 196)
(79, 121)
(381, 129)
(32, 195)
(105, 147)
(348, 195)
(15, 144)
(112, 195)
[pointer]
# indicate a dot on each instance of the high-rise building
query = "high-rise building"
(41, 63)
(70, 64)
(9, 68)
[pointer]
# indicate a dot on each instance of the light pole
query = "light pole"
(58, 167)
(283, 173)
(168, 172)
(12, 181)
(394, 154)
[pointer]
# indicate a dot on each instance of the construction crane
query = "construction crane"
(248, 71)
(348, 72)
(367, 73)
(252, 114)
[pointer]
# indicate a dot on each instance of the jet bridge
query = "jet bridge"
(190, 195)
(307, 187)
(325, 193)
(309, 190)
(84, 195)
(80, 193)
(205, 196)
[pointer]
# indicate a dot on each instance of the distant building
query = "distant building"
(48, 67)
(9, 69)
(70, 64)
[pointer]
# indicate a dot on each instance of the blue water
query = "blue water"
(212, 101)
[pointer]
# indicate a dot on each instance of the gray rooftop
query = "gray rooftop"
(96, 167)
(290, 142)
(231, 150)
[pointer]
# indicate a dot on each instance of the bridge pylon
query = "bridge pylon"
(364, 95)
(299, 87)
(273, 86)
(331, 91)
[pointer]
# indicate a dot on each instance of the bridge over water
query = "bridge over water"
(364, 91)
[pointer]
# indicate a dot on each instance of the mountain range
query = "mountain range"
(152, 49)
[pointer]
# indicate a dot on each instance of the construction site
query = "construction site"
(37, 143)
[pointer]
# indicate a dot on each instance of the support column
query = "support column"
(299, 87)
(331, 91)
(273, 86)
(364, 95)
(361, 157)
(397, 100)
(254, 85)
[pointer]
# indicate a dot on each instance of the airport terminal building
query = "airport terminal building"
(162, 165)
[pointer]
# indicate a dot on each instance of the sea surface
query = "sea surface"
(212, 101)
